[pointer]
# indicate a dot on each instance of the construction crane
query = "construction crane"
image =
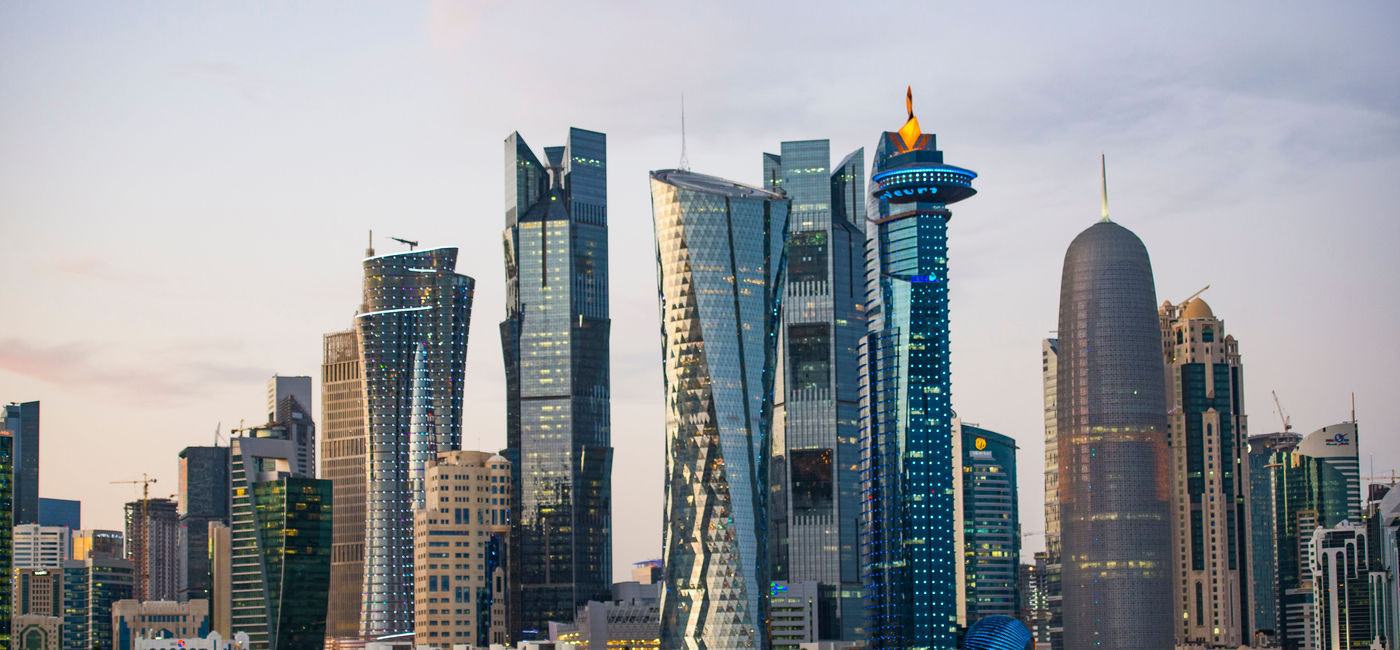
(145, 482)
(1287, 421)
(411, 244)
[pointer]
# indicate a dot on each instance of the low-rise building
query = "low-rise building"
(35, 632)
(157, 619)
(793, 607)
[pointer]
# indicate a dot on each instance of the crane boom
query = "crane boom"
(1287, 421)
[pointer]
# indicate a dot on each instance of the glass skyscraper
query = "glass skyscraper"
(413, 342)
(910, 543)
(204, 497)
(555, 346)
(991, 524)
(7, 531)
(1115, 528)
(1263, 619)
(815, 504)
(22, 421)
(719, 255)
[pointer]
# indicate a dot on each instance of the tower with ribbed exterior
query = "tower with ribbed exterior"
(1115, 532)
(910, 542)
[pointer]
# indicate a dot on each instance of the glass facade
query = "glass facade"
(991, 524)
(7, 531)
(343, 464)
(204, 490)
(1051, 632)
(814, 504)
(413, 342)
(22, 421)
(558, 397)
(1262, 527)
(910, 517)
(1115, 530)
(719, 248)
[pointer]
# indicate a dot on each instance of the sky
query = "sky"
(186, 191)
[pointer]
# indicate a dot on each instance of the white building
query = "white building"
(41, 547)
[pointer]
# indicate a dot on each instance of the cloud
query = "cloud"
(232, 77)
(82, 365)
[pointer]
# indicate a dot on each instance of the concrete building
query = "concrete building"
(555, 341)
(214, 641)
(204, 498)
(22, 421)
(1341, 586)
(814, 504)
(289, 406)
(90, 542)
(343, 463)
(41, 547)
(33, 632)
(719, 253)
(793, 614)
(61, 512)
(221, 578)
(647, 572)
(1383, 536)
(1050, 632)
(39, 592)
(461, 552)
(1207, 434)
(279, 388)
(133, 620)
(1035, 607)
(1115, 523)
(614, 625)
(153, 543)
(911, 533)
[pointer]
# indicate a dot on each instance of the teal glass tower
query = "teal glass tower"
(814, 503)
(991, 524)
(554, 343)
(719, 256)
(909, 551)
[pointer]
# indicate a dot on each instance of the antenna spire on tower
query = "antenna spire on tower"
(685, 161)
(1103, 176)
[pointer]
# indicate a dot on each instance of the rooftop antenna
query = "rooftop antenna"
(411, 244)
(685, 161)
(1353, 407)
(1103, 177)
(369, 252)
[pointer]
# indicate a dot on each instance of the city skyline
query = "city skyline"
(1224, 132)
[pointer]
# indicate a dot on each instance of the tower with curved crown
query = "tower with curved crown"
(1115, 531)
(910, 544)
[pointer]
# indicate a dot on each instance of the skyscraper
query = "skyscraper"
(554, 342)
(1210, 477)
(90, 589)
(815, 506)
(1316, 485)
(1115, 529)
(462, 603)
(413, 338)
(1263, 570)
(153, 544)
(343, 464)
(22, 421)
(204, 497)
(289, 404)
(7, 527)
(280, 387)
(1341, 586)
(61, 512)
(719, 255)
(41, 547)
(281, 543)
(991, 524)
(910, 544)
(1051, 630)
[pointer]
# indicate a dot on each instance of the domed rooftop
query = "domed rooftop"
(1197, 308)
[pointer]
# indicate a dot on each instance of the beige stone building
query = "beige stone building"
(132, 620)
(460, 551)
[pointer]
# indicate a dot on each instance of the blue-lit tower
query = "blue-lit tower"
(909, 550)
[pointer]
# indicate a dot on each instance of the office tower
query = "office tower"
(998, 633)
(1341, 586)
(467, 518)
(204, 498)
(7, 525)
(153, 543)
(648, 572)
(1051, 631)
(1206, 438)
(793, 614)
(719, 255)
(221, 578)
(1316, 485)
(280, 387)
(1035, 604)
(910, 543)
(280, 543)
(91, 587)
(40, 547)
(555, 342)
(413, 332)
(343, 463)
(1263, 569)
(39, 591)
(991, 524)
(61, 512)
(1383, 531)
(22, 421)
(1115, 529)
(89, 542)
(815, 507)
(156, 619)
(289, 404)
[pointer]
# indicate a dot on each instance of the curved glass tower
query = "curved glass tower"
(1112, 438)
(719, 257)
(413, 344)
(910, 553)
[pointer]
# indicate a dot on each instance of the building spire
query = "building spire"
(910, 132)
(369, 252)
(1103, 176)
(685, 161)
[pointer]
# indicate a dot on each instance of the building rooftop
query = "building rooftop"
(688, 180)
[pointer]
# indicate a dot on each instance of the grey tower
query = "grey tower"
(1112, 439)
(554, 343)
(719, 248)
(815, 501)
(22, 421)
